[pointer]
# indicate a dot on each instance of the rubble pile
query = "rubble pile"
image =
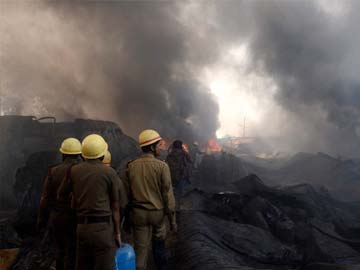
(217, 172)
(339, 176)
(254, 226)
(230, 219)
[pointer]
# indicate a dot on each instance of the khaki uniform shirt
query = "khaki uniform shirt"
(52, 183)
(149, 183)
(94, 187)
(123, 197)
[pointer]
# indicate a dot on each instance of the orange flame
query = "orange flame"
(185, 148)
(213, 146)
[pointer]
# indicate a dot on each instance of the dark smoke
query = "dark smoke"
(126, 61)
(311, 52)
(139, 62)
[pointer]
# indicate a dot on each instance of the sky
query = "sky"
(190, 69)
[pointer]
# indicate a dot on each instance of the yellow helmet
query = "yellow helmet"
(148, 136)
(107, 158)
(70, 146)
(93, 146)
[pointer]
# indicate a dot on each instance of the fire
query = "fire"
(266, 155)
(213, 146)
(185, 148)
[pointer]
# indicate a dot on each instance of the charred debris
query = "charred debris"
(239, 214)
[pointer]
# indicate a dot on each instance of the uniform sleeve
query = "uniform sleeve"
(123, 197)
(44, 201)
(114, 187)
(65, 189)
(46, 189)
(126, 181)
(167, 190)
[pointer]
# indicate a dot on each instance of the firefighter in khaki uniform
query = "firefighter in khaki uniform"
(62, 218)
(123, 199)
(95, 189)
(151, 201)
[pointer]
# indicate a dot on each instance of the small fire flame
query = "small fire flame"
(213, 146)
(185, 148)
(265, 156)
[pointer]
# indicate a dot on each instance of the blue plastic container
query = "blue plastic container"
(125, 258)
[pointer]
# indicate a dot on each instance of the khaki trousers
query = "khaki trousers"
(63, 228)
(95, 248)
(147, 226)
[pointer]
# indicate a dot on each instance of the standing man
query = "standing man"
(196, 155)
(62, 220)
(123, 199)
(151, 200)
(95, 190)
(179, 162)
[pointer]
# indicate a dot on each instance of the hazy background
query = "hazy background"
(191, 69)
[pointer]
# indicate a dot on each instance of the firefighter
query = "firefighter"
(62, 221)
(179, 162)
(123, 199)
(107, 158)
(151, 201)
(95, 190)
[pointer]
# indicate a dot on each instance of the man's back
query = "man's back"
(94, 187)
(178, 161)
(149, 182)
(55, 177)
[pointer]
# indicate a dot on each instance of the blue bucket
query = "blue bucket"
(125, 258)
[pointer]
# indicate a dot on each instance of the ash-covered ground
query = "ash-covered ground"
(240, 213)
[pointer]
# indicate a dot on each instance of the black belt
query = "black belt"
(143, 207)
(93, 219)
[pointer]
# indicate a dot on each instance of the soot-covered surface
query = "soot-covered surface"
(248, 225)
(258, 227)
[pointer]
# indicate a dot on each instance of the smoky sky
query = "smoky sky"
(139, 63)
(313, 57)
(310, 50)
(125, 61)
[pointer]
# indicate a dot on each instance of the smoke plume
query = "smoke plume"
(140, 63)
(125, 61)
(309, 50)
